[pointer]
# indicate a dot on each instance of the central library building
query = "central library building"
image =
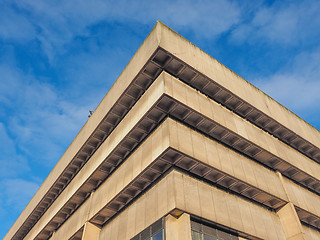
(181, 148)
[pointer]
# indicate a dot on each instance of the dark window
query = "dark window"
(154, 232)
(200, 231)
(158, 236)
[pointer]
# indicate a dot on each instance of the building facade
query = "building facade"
(181, 148)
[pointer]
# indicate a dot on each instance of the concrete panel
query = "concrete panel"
(243, 128)
(202, 62)
(159, 139)
(107, 191)
(291, 223)
(268, 230)
(72, 225)
(261, 219)
(201, 201)
(132, 220)
(99, 156)
(303, 198)
(178, 228)
(188, 142)
(311, 234)
(224, 159)
(90, 232)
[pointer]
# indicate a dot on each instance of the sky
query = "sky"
(59, 58)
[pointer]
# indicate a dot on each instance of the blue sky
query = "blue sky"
(59, 58)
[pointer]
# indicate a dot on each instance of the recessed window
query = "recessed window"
(158, 236)
(153, 232)
(200, 231)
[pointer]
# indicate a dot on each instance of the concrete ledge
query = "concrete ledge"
(186, 193)
(144, 166)
(251, 172)
(182, 50)
(200, 61)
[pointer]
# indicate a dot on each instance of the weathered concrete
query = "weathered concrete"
(127, 180)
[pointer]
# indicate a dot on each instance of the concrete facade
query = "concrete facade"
(181, 148)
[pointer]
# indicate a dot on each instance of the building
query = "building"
(181, 148)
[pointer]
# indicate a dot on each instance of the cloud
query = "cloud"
(16, 193)
(40, 120)
(14, 26)
(14, 196)
(12, 163)
(284, 22)
(205, 18)
(47, 111)
(292, 90)
(57, 23)
(37, 123)
(298, 85)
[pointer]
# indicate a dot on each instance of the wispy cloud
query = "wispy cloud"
(16, 193)
(57, 61)
(297, 86)
(36, 116)
(14, 196)
(292, 90)
(58, 58)
(47, 111)
(284, 22)
(12, 163)
(15, 26)
(56, 23)
(36, 125)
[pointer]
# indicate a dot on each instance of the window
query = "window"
(158, 236)
(154, 232)
(201, 231)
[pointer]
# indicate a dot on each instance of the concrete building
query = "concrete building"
(181, 148)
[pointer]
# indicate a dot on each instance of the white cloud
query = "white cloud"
(12, 163)
(292, 90)
(58, 22)
(43, 115)
(205, 18)
(15, 26)
(283, 22)
(296, 87)
(41, 121)
(16, 193)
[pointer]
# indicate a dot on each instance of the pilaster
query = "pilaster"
(289, 218)
(178, 228)
(90, 232)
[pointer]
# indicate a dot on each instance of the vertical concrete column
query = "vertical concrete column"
(289, 218)
(90, 232)
(291, 222)
(178, 228)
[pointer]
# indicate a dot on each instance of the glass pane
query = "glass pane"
(209, 231)
(157, 236)
(156, 227)
(207, 237)
(136, 237)
(223, 235)
(196, 235)
(145, 234)
(195, 226)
